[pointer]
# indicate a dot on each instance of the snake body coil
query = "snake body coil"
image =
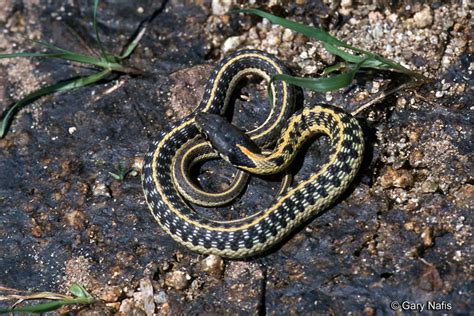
(253, 234)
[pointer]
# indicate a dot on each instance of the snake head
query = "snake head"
(226, 139)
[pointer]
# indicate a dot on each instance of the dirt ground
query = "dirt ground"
(402, 233)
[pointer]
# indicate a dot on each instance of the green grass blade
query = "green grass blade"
(84, 59)
(333, 68)
(319, 84)
(344, 55)
(25, 54)
(62, 86)
(38, 308)
(103, 53)
(47, 307)
(81, 59)
(371, 61)
(79, 291)
(131, 47)
(53, 47)
(67, 56)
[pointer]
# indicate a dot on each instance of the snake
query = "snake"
(197, 151)
(257, 233)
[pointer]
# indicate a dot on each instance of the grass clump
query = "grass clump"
(105, 64)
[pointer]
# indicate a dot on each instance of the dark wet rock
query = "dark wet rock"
(401, 232)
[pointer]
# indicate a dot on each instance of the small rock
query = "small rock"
(36, 230)
(429, 186)
(423, 18)
(76, 219)
(100, 189)
(346, 4)
(409, 225)
(138, 163)
(273, 39)
(169, 113)
(160, 297)
(111, 294)
(427, 237)
(400, 178)
(126, 307)
(287, 35)
(416, 158)
(6, 143)
(177, 279)
(213, 264)
(145, 297)
(231, 44)
(412, 253)
(220, 7)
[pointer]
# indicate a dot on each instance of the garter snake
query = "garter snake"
(196, 151)
(253, 234)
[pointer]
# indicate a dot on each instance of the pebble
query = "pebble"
(457, 255)
(409, 225)
(144, 298)
(423, 18)
(160, 297)
(231, 44)
(346, 4)
(36, 230)
(287, 35)
(213, 264)
(400, 178)
(77, 219)
(100, 189)
(178, 280)
(416, 158)
(429, 186)
(111, 294)
(126, 307)
(427, 237)
(220, 7)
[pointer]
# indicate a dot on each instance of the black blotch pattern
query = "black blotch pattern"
(322, 191)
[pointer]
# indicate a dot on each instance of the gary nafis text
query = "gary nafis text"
(428, 306)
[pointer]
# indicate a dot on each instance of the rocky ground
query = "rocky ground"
(401, 233)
